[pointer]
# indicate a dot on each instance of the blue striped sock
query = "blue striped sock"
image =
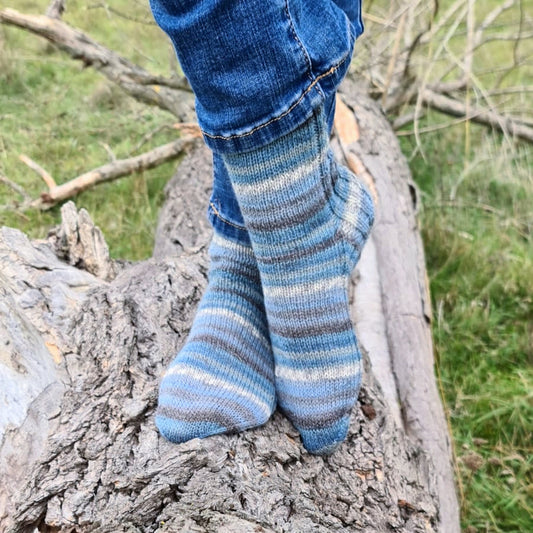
(223, 379)
(308, 219)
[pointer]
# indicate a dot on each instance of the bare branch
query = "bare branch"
(451, 106)
(46, 176)
(56, 9)
(468, 61)
(155, 90)
(393, 58)
(109, 152)
(183, 127)
(17, 188)
(114, 170)
(403, 120)
(489, 20)
(120, 14)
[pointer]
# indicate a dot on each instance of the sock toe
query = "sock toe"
(325, 441)
(178, 431)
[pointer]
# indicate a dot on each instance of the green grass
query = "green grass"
(477, 227)
(476, 218)
(66, 118)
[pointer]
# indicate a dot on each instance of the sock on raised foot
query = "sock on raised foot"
(308, 219)
(223, 379)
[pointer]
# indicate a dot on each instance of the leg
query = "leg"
(223, 378)
(269, 98)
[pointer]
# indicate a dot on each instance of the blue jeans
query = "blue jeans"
(258, 69)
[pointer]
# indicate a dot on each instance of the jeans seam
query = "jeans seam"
(299, 42)
(285, 113)
(218, 215)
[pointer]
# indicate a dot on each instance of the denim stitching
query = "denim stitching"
(217, 214)
(275, 119)
(299, 42)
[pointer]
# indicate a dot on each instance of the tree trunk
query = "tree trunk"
(85, 340)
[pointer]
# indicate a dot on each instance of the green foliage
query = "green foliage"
(476, 219)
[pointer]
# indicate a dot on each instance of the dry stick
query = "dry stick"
(393, 58)
(509, 125)
(184, 127)
(489, 20)
(120, 14)
(114, 170)
(468, 60)
(109, 152)
(380, 49)
(402, 121)
(442, 21)
(476, 81)
(479, 39)
(425, 80)
(520, 31)
(17, 188)
(56, 9)
(46, 176)
(155, 90)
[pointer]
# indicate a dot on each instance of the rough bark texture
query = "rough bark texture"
(85, 341)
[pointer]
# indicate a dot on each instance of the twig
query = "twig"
(114, 170)
(393, 58)
(462, 205)
(120, 14)
(403, 120)
(17, 188)
(185, 127)
(427, 129)
(425, 79)
(451, 11)
(56, 9)
(453, 107)
(46, 176)
(148, 136)
(165, 93)
(468, 60)
(110, 153)
(488, 21)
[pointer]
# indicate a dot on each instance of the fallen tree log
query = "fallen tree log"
(85, 340)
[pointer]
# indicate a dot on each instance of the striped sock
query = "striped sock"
(308, 220)
(223, 379)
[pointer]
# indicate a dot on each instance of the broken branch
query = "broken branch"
(56, 9)
(46, 176)
(162, 92)
(114, 170)
(451, 106)
(17, 188)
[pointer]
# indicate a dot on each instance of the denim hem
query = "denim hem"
(226, 228)
(311, 98)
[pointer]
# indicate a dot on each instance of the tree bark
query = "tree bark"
(85, 341)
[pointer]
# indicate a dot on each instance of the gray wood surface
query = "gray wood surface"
(405, 295)
(85, 341)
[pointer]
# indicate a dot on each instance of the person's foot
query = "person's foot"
(308, 219)
(223, 379)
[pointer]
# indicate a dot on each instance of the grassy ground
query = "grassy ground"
(66, 118)
(476, 220)
(477, 233)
